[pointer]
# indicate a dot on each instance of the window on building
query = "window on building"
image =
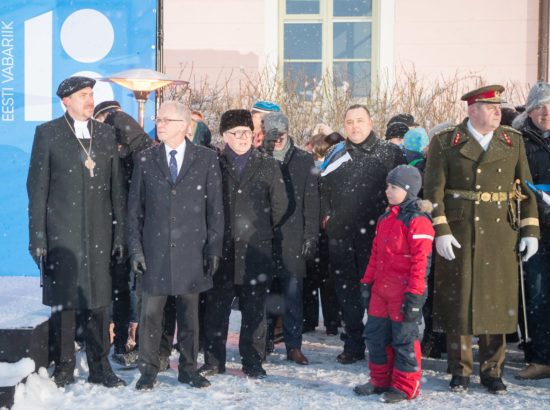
(333, 37)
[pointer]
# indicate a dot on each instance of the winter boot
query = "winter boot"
(394, 396)
(534, 372)
(368, 388)
(459, 384)
(494, 385)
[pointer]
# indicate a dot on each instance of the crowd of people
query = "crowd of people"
(139, 240)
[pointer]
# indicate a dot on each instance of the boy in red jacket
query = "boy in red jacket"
(394, 287)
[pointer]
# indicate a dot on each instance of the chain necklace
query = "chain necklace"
(89, 163)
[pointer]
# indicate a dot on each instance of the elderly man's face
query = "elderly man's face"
(281, 142)
(358, 125)
(171, 127)
(541, 117)
(239, 139)
(80, 104)
(485, 117)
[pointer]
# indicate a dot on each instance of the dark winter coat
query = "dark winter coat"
(74, 215)
(352, 186)
(132, 140)
(302, 217)
(253, 206)
(537, 149)
(477, 292)
(400, 258)
(175, 225)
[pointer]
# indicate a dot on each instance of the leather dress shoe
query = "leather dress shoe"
(211, 370)
(62, 378)
(146, 382)
(193, 379)
(296, 356)
(534, 372)
(255, 372)
(349, 358)
(459, 384)
(107, 378)
(368, 388)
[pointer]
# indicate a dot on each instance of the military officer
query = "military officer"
(470, 174)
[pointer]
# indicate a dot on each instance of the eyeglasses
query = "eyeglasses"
(160, 121)
(240, 134)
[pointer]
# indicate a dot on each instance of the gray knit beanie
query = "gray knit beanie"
(538, 95)
(406, 177)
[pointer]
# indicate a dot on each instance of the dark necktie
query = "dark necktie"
(173, 165)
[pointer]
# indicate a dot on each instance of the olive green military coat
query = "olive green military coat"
(477, 292)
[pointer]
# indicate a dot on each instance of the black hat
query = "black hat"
(106, 106)
(405, 118)
(396, 130)
(406, 177)
(275, 124)
(73, 84)
(235, 118)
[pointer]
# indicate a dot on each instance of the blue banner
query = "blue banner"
(43, 42)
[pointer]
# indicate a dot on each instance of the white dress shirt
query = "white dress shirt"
(179, 156)
(484, 140)
(81, 129)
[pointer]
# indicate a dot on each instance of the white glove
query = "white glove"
(444, 245)
(530, 246)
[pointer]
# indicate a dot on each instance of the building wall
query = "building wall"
(497, 39)
(213, 38)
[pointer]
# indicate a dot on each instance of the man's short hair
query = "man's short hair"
(356, 106)
(181, 109)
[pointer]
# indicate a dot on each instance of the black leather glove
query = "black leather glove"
(118, 253)
(37, 253)
(309, 248)
(365, 295)
(412, 307)
(212, 264)
(137, 262)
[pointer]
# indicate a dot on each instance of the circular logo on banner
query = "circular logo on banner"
(87, 35)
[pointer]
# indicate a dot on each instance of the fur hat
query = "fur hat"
(406, 177)
(73, 84)
(538, 95)
(396, 130)
(235, 118)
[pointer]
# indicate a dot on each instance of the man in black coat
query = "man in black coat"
(255, 201)
(296, 238)
(175, 228)
(131, 140)
(352, 185)
(76, 222)
(534, 124)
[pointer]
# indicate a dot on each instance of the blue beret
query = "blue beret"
(265, 106)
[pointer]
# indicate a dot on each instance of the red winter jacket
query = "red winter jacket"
(400, 258)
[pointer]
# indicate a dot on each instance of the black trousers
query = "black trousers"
(349, 258)
(120, 274)
(253, 323)
(95, 333)
(152, 328)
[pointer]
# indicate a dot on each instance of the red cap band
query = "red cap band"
(483, 96)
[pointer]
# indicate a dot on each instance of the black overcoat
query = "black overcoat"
(77, 218)
(253, 207)
(175, 225)
(302, 218)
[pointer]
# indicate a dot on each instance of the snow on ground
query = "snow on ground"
(324, 384)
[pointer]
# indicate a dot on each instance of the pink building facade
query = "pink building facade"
(217, 39)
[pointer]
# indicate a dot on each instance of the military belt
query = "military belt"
(480, 196)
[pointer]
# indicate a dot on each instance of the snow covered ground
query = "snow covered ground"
(324, 384)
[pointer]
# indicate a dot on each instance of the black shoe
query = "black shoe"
(332, 331)
(349, 358)
(255, 372)
(394, 396)
(368, 388)
(494, 385)
(459, 384)
(164, 363)
(146, 382)
(193, 379)
(211, 370)
(107, 378)
(62, 378)
(269, 347)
